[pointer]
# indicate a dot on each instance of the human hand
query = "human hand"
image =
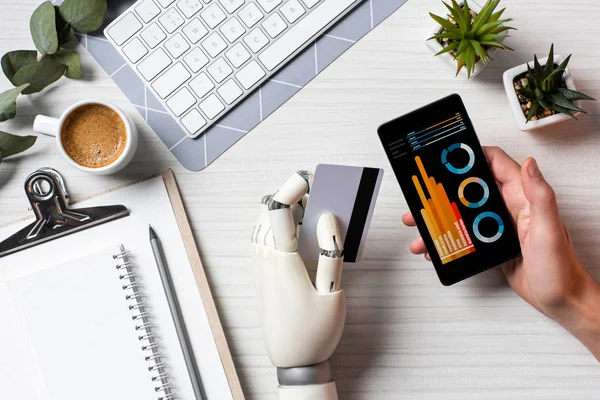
(549, 275)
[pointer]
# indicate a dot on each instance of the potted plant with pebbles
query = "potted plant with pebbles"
(469, 35)
(545, 94)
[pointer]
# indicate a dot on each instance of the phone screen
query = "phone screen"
(450, 189)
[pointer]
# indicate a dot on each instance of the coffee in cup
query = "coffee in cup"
(94, 136)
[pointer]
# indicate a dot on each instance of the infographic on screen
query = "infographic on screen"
(450, 189)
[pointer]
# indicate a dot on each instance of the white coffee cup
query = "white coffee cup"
(53, 127)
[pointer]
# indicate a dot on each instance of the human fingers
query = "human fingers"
(329, 269)
(280, 211)
(543, 207)
(418, 246)
(408, 219)
(504, 168)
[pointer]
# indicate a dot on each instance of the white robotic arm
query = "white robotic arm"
(302, 323)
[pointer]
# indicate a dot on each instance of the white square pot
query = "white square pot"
(448, 58)
(508, 79)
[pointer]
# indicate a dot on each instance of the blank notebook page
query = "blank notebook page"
(80, 327)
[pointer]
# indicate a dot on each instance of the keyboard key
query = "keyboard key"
(274, 25)
(214, 45)
(269, 5)
(193, 121)
(171, 80)
(213, 15)
(250, 74)
(238, 55)
(153, 35)
(177, 45)
(135, 50)
(310, 3)
(165, 3)
(230, 91)
(154, 64)
(219, 70)
(147, 10)
(231, 5)
(125, 28)
(189, 7)
(232, 29)
(196, 59)
(181, 102)
(292, 10)
(195, 30)
(201, 85)
(256, 40)
(212, 106)
(171, 20)
(251, 15)
(303, 32)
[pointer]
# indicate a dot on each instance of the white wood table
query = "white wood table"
(407, 336)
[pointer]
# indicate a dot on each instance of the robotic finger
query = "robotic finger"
(329, 270)
(281, 209)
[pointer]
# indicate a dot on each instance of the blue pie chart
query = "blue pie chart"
(452, 168)
(485, 239)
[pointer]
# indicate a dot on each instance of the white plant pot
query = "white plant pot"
(508, 79)
(436, 46)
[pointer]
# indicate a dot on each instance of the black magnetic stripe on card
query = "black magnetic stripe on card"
(358, 219)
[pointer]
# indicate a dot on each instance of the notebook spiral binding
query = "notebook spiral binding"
(146, 335)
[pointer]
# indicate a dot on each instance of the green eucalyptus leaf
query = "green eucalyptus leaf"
(39, 75)
(496, 16)
(8, 102)
(15, 60)
(65, 31)
(574, 95)
(70, 59)
(43, 28)
(13, 144)
(84, 15)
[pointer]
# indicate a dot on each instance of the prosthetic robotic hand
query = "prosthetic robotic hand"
(302, 323)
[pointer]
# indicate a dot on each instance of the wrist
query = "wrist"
(582, 318)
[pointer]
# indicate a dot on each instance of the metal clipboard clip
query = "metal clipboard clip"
(47, 194)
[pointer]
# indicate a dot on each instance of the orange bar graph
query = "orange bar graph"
(442, 218)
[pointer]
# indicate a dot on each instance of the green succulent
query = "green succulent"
(545, 88)
(471, 39)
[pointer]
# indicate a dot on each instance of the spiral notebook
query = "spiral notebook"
(82, 319)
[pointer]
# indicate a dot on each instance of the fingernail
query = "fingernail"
(532, 169)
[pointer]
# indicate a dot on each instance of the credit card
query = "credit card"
(349, 193)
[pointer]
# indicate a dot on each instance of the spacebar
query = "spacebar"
(304, 31)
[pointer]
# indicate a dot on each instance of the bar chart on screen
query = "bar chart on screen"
(419, 139)
(442, 217)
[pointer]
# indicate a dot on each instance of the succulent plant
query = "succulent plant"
(546, 89)
(469, 37)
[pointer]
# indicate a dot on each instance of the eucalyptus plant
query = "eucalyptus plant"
(30, 71)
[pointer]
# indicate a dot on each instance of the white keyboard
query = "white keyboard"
(202, 57)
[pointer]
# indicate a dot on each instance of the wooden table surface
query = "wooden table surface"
(406, 336)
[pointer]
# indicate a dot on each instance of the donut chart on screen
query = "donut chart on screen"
(480, 182)
(452, 168)
(477, 233)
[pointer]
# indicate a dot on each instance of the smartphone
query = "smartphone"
(450, 189)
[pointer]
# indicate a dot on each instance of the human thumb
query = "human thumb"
(543, 208)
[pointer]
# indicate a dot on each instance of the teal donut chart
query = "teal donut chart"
(453, 169)
(480, 182)
(480, 217)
